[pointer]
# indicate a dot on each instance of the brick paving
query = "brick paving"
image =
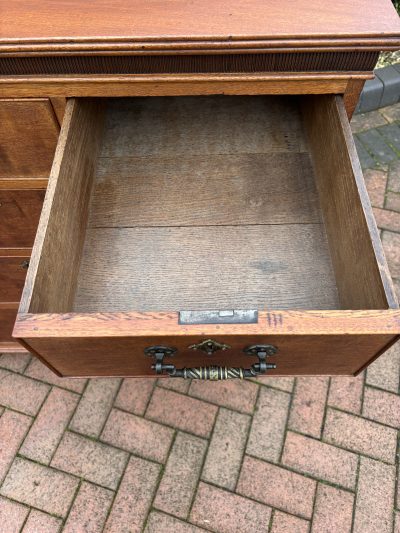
(279, 455)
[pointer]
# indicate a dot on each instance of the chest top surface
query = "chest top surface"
(65, 25)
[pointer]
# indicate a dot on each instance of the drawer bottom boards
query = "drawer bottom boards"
(199, 204)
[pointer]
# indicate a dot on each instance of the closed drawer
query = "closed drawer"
(8, 313)
(13, 267)
(19, 216)
(28, 137)
(159, 206)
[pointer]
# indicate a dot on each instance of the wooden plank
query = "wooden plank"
(59, 108)
(352, 95)
(19, 216)
(28, 137)
(137, 20)
(215, 267)
(55, 258)
(362, 275)
(23, 183)
(215, 189)
(203, 125)
(8, 314)
(13, 269)
(181, 85)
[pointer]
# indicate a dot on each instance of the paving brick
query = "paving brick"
(12, 516)
(176, 384)
(40, 487)
(178, 484)
(391, 113)
(17, 362)
(39, 522)
(285, 384)
(382, 406)
(134, 395)
(21, 393)
(48, 428)
(391, 133)
(277, 487)
(320, 460)
(90, 510)
(38, 370)
(182, 412)
(391, 246)
(377, 147)
(308, 407)
(268, 426)
(13, 428)
(286, 523)
(333, 510)
(392, 201)
(90, 460)
(390, 78)
(236, 394)
(365, 158)
(396, 523)
(367, 121)
(134, 497)
(224, 512)
(137, 435)
(346, 393)
(162, 523)
(360, 435)
(95, 406)
(225, 452)
(387, 220)
(394, 177)
(375, 181)
(374, 503)
(385, 371)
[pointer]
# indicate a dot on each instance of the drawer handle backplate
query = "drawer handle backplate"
(212, 372)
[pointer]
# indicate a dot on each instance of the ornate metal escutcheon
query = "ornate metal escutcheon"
(209, 346)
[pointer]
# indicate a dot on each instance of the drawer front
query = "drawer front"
(28, 137)
(13, 269)
(19, 217)
(8, 313)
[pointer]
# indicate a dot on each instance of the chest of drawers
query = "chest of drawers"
(206, 214)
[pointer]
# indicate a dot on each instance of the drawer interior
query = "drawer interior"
(196, 203)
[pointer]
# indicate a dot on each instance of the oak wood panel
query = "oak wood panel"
(28, 137)
(171, 127)
(352, 95)
(225, 21)
(8, 314)
(181, 85)
(59, 107)
(212, 189)
(362, 274)
(23, 183)
(216, 267)
(19, 216)
(309, 343)
(52, 273)
(13, 269)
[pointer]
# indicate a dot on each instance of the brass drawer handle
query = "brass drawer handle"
(212, 372)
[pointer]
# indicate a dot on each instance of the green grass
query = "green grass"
(397, 5)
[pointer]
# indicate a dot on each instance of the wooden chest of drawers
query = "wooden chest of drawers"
(206, 214)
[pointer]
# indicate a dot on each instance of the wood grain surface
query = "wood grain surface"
(28, 137)
(153, 23)
(362, 274)
(217, 267)
(19, 216)
(13, 269)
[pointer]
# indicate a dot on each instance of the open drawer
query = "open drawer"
(186, 230)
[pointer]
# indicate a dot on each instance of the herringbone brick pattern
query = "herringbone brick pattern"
(278, 455)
